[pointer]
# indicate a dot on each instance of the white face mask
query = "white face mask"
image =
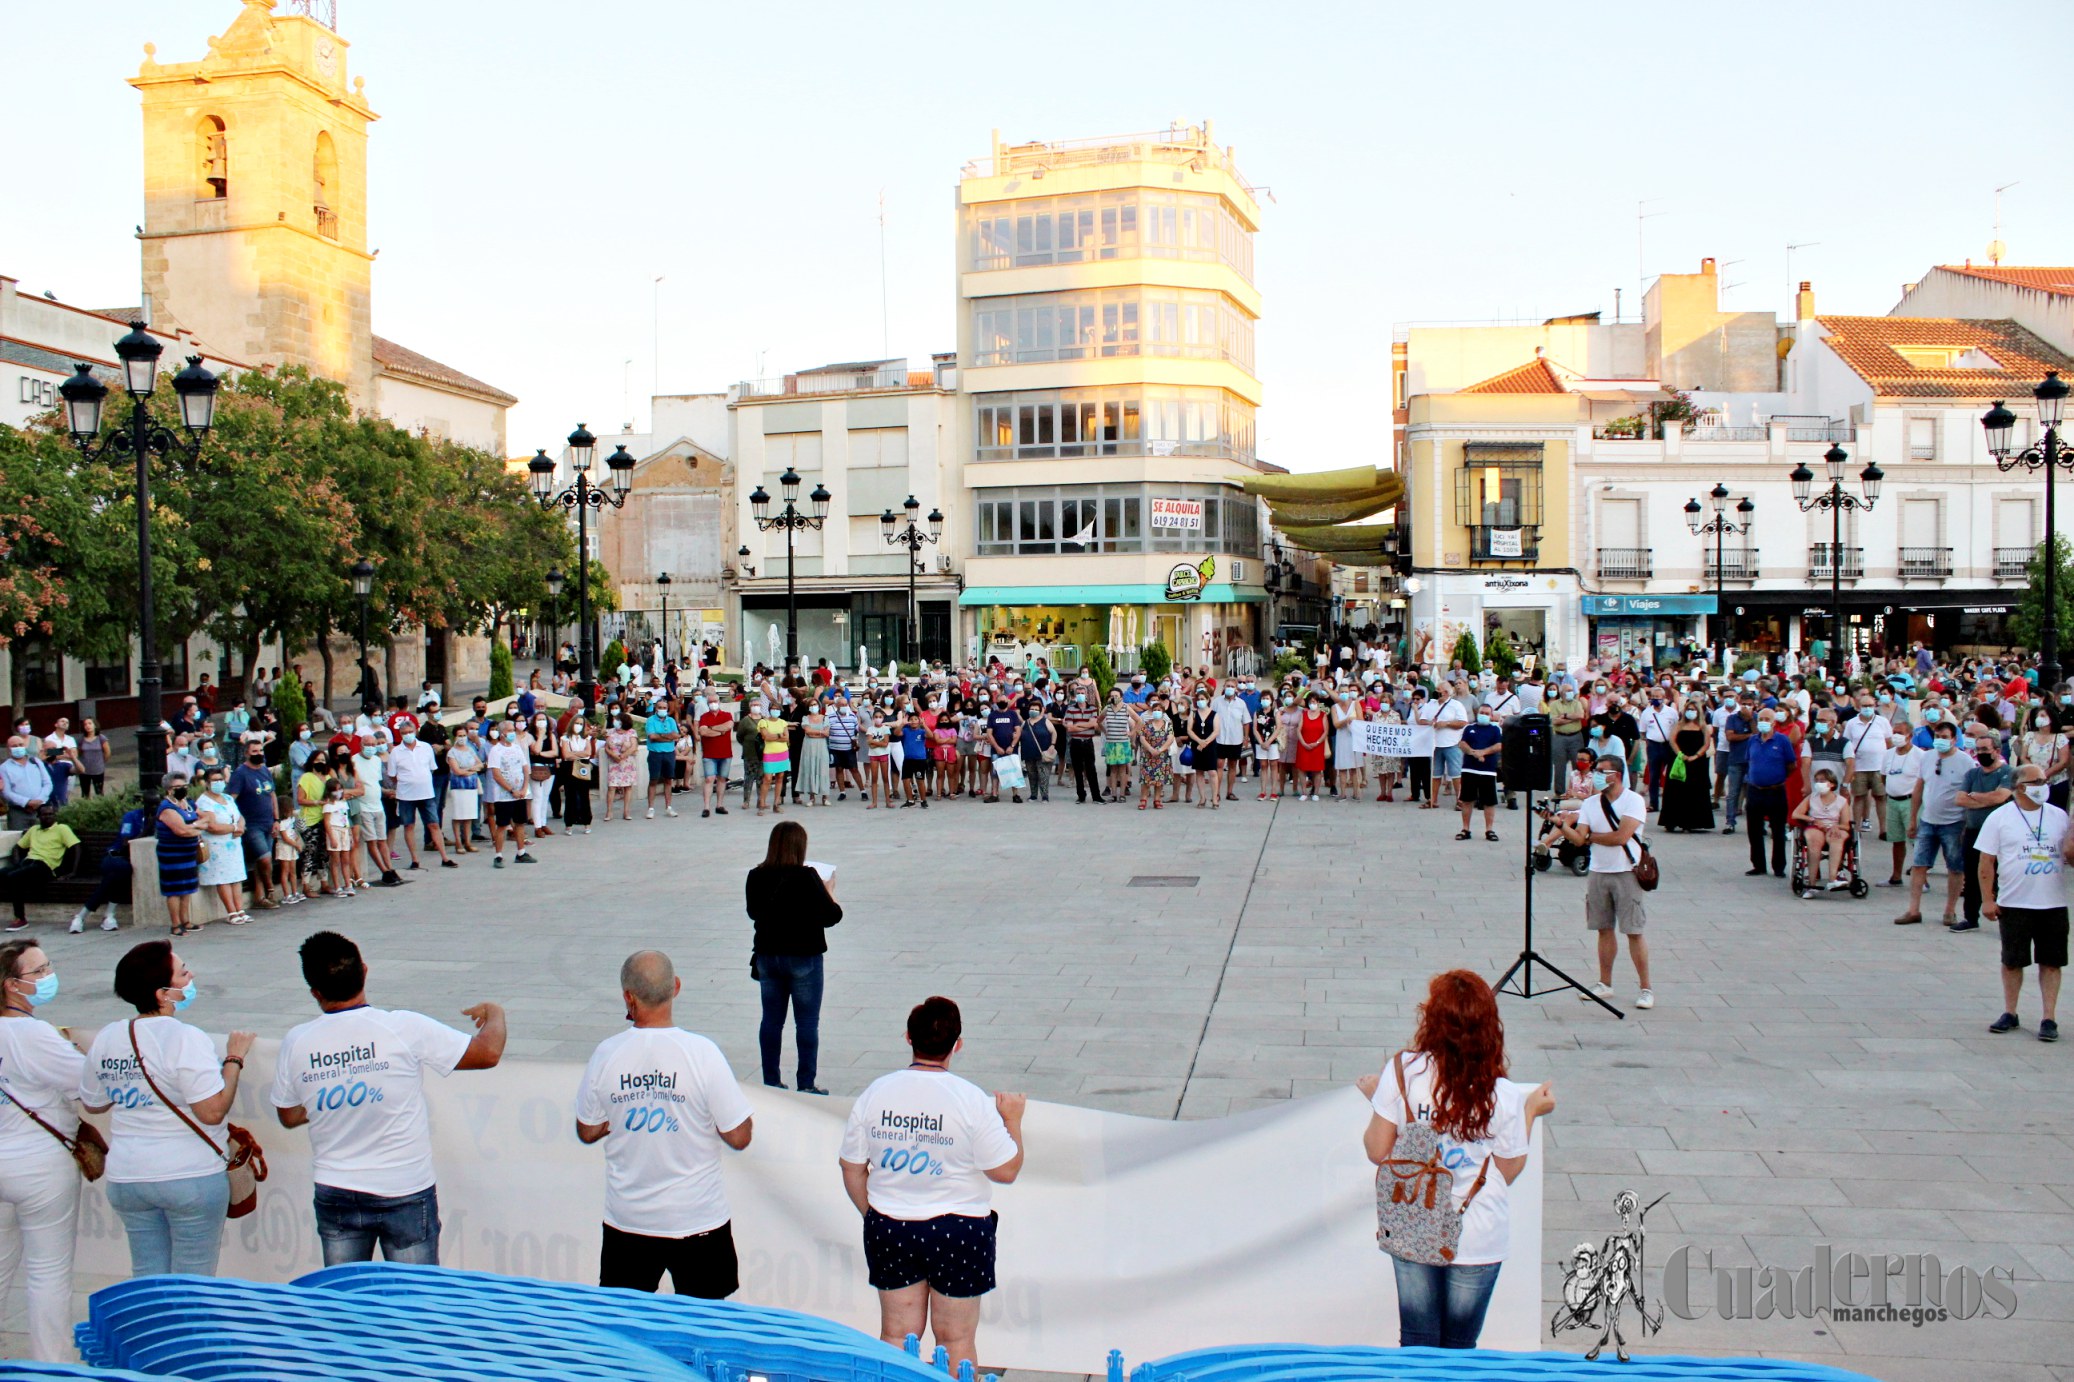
(1823, 789)
(2036, 791)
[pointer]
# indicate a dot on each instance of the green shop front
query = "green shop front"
(1647, 630)
(1216, 623)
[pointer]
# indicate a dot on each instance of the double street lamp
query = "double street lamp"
(791, 521)
(913, 539)
(84, 396)
(2047, 455)
(1837, 500)
(363, 587)
(583, 496)
(1719, 526)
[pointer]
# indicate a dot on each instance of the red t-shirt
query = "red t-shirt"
(719, 745)
(398, 721)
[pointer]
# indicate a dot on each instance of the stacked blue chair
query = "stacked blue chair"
(13, 1368)
(1328, 1363)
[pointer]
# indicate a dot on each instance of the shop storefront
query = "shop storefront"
(1646, 630)
(1876, 623)
(851, 629)
(1539, 614)
(1064, 624)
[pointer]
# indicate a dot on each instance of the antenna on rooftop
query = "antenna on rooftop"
(1792, 283)
(1996, 249)
(885, 329)
(325, 12)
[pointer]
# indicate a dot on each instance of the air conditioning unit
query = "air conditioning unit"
(1238, 572)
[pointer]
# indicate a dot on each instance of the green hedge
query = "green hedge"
(104, 812)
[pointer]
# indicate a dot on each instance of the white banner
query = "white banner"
(1504, 542)
(1135, 1233)
(1380, 740)
(1183, 514)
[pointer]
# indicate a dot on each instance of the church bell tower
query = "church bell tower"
(255, 197)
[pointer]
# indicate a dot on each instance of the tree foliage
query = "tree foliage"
(1155, 661)
(1099, 667)
(2027, 621)
(1465, 653)
(290, 702)
(1498, 652)
(500, 670)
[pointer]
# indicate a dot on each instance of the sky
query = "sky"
(537, 167)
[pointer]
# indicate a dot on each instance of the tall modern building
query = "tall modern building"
(1106, 313)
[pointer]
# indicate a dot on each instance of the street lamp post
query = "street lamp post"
(791, 520)
(363, 586)
(2049, 456)
(1720, 526)
(583, 496)
(555, 581)
(1837, 500)
(663, 583)
(84, 395)
(913, 539)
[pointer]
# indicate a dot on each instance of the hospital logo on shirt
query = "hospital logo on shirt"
(358, 1060)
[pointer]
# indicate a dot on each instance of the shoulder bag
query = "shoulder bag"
(245, 1162)
(89, 1149)
(1646, 876)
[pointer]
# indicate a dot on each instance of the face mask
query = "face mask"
(1933, 715)
(180, 793)
(410, 738)
(367, 751)
(303, 735)
(1202, 705)
(45, 990)
(1598, 782)
(1764, 729)
(1865, 712)
(1984, 758)
(1288, 700)
(494, 736)
(1692, 714)
(1598, 733)
(186, 997)
(2036, 792)
(1823, 789)
(1947, 745)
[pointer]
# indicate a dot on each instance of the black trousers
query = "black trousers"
(116, 876)
(1421, 765)
(1765, 808)
(1087, 778)
(702, 1265)
(21, 878)
(1968, 838)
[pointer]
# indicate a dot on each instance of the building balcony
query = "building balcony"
(2013, 563)
(1505, 544)
(1733, 566)
(868, 381)
(327, 222)
(1823, 562)
(1925, 563)
(1624, 563)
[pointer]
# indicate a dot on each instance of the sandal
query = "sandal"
(1141, 806)
(237, 919)
(1491, 835)
(1463, 836)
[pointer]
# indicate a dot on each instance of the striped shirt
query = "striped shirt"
(1116, 724)
(842, 729)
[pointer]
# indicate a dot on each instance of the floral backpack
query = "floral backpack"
(1415, 1214)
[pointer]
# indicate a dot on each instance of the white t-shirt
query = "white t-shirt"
(148, 1141)
(667, 1095)
(368, 772)
(1900, 768)
(1658, 723)
(360, 1074)
(410, 768)
(509, 759)
(2026, 846)
(927, 1138)
(1487, 1224)
(1943, 776)
(1865, 743)
(42, 1070)
(1592, 814)
(1450, 709)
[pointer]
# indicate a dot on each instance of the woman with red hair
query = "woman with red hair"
(1453, 1078)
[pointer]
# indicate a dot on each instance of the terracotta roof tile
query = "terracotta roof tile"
(1536, 376)
(392, 358)
(2045, 280)
(1869, 346)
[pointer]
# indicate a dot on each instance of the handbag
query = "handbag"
(88, 1148)
(244, 1163)
(1677, 773)
(1646, 876)
(201, 851)
(581, 769)
(540, 772)
(1188, 755)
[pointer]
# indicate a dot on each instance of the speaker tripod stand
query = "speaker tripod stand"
(1523, 967)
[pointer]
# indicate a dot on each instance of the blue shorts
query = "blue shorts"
(714, 767)
(1447, 762)
(426, 811)
(1930, 838)
(662, 767)
(954, 1253)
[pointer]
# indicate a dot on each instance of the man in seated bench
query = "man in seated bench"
(117, 876)
(45, 850)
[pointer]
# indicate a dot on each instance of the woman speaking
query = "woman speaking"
(793, 906)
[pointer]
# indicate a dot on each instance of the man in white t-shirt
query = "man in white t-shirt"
(1611, 823)
(665, 1103)
(1449, 720)
(2022, 849)
(407, 775)
(1866, 733)
(507, 792)
(921, 1154)
(355, 1076)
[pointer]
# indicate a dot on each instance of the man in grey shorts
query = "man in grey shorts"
(1611, 823)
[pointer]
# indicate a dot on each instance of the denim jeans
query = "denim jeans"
(1733, 794)
(350, 1223)
(796, 978)
(174, 1226)
(1442, 1307)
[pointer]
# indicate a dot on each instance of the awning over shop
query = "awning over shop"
(1221, 594)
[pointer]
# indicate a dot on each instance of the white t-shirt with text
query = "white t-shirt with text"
(927, 1138)
(667, 1095)
(2026, 846)
(360, 1073)
(1487, 1225)
(147, 1140)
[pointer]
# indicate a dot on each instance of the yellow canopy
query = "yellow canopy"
(1321, 486)
(1347, 509)
(1329, 540)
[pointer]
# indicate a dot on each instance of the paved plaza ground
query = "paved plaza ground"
(1811, 1073)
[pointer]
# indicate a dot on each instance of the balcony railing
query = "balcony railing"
(1624, 563)
(1734, 566)
(2013, 563)
(1729, 434)
(1822, 434)
(1822, 562)
(327, 222)
(862, 381)
(1490, 544)
(1925, 562)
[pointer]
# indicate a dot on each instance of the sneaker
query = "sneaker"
(78, 922)
(414, 866)
(109, 923)
(1807, 894)
(2048, 1030)
(524, 858)
(1957, 927)
(925, 803)
(1835, 885)
(1600, 991)
(1728, 829)
(651, 813)
(1645, 999)
(17, 925)
(720, 810)
(1891, 882)
(448, 864)
(670, 811)
(2005, 1023)
(497, 861)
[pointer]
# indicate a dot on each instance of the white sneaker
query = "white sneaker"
(78, 922)
(1645, 999)
(1601, 991)
(669, 811)
(109, 923)
(1835, 885)
(651, 813)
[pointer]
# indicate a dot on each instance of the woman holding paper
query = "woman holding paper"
(792, 903)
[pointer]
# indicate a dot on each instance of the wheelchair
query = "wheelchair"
(1576, 858)
(1853, 879)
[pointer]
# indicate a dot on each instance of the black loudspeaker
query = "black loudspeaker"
(1526, 757)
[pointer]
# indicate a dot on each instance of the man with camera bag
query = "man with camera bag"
(1611, 823)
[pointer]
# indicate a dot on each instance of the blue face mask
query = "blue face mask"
(1932, 715)
(186, 997)
(45, 990)
(1598, 782)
